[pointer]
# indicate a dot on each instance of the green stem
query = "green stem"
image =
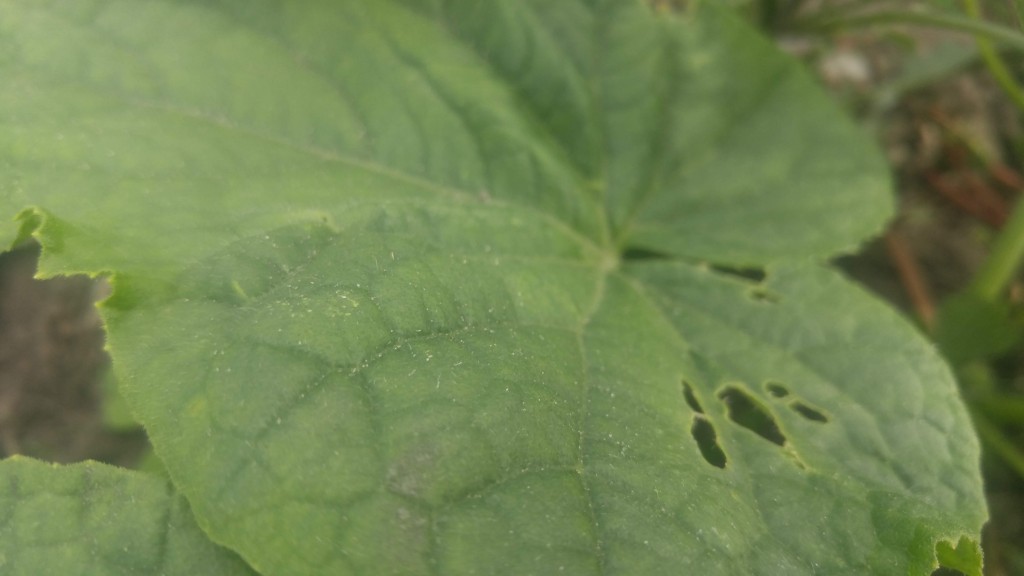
(1000, 34)
(999, 444)
(1008, 250)
(1002, 263)
(993, 62)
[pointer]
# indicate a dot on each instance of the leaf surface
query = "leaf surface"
(96, 519)
(452, 287)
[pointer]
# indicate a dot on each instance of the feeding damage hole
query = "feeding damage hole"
(779, 390)
(702, 430)
(749, 274)
(750, 414)
(758, 292)
(704, 433)
(775, 389)
(643, 254)
(691, 400)
(808, 412)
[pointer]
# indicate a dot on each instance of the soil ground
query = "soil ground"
(51, 363)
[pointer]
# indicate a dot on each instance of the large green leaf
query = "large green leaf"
(437, 287)
(93, 519)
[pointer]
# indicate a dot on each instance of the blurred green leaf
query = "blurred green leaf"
(90, 519)
(970, 328)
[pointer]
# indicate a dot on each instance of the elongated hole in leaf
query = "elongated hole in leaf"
(750, 274)
(642, 254)
(750, 414)
(707, 441)
(776, 389)
(691, 399)
(808, 412)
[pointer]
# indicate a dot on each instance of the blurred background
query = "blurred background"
(940, 85)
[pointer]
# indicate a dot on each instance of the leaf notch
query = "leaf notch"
(744, 410)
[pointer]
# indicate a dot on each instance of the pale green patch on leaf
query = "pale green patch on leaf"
(451, 287)
(92, 519)
(965, 556)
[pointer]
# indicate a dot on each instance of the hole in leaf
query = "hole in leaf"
(750, 414)
(750, 274)
(691, 399)
(808, 412)
(642, 254)
(776, 389)
(704, 433)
